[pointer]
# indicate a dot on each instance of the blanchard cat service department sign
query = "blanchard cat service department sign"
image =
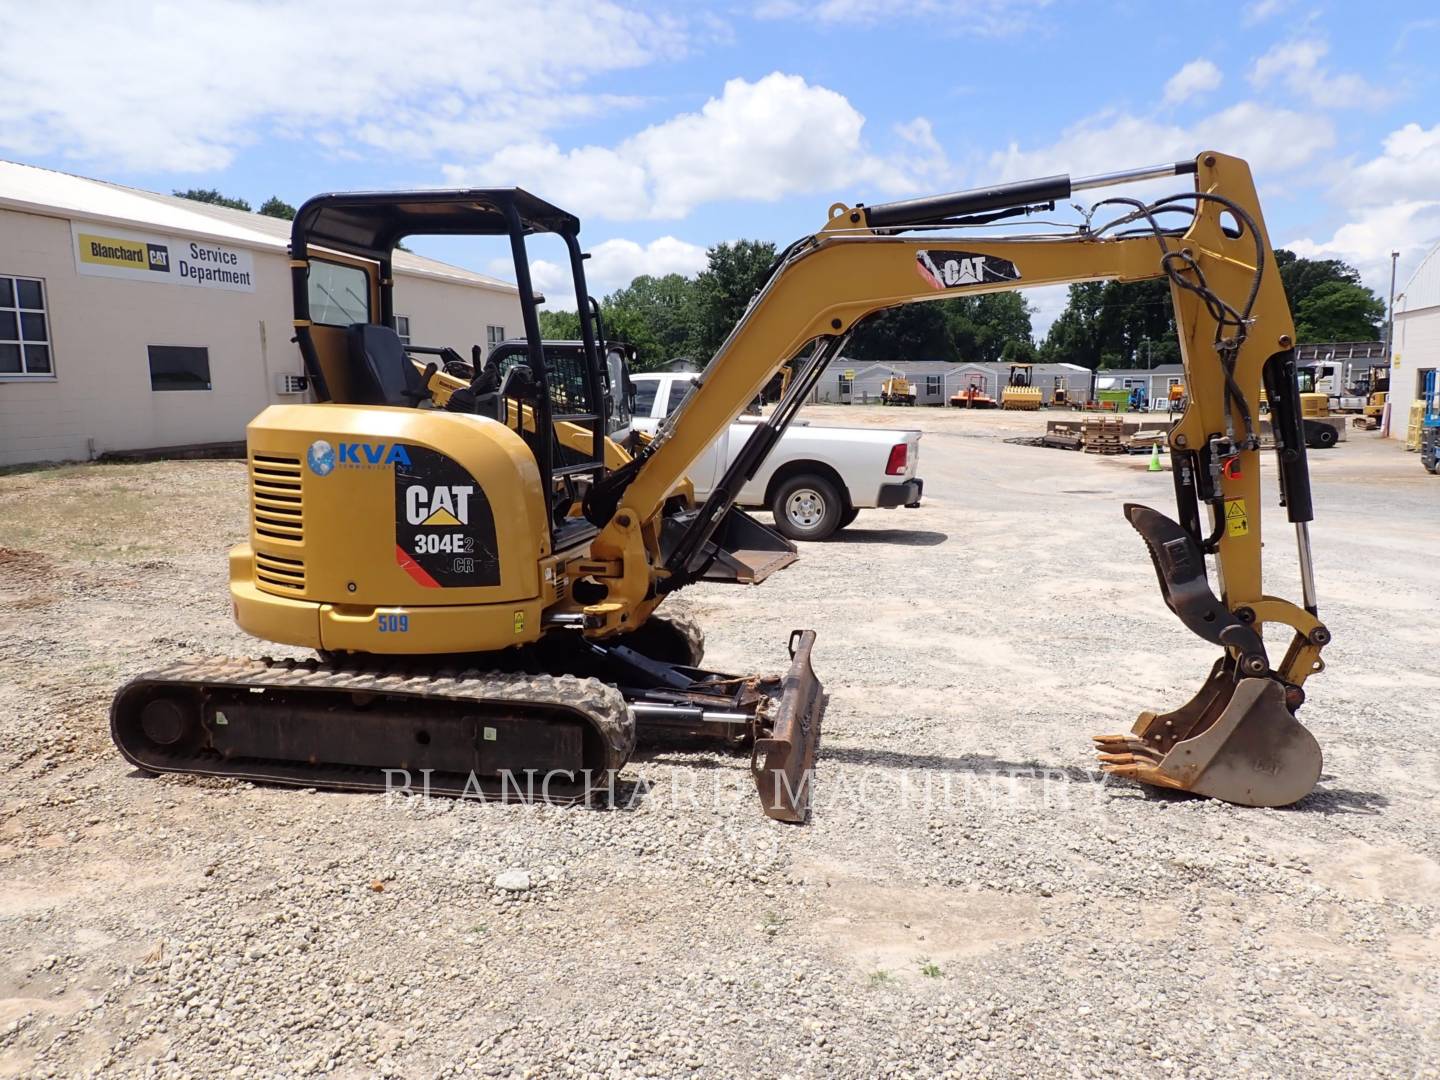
(103, 251)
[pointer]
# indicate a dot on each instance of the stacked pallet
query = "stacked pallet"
(1103, 435)
(1416, 424)
(1142, 440)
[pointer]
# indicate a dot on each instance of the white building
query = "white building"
(1155, 382)
(1417, 340)
(936, 381)
(131, 320)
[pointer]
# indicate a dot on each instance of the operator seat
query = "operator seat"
(381, 373)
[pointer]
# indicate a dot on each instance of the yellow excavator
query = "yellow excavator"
(480, 572)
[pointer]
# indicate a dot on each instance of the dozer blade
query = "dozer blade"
(1235, 741)
(785, 777)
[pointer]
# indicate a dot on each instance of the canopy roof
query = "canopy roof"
(372, 222)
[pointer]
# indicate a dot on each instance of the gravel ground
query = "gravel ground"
(971, 899)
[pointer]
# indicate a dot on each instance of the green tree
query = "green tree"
(631, 325)
(277, 207)
(908, 332)
(1338, 311)
(213, 197)
(982, 327)
(559, 325)
(1327, 300)
(1114, 324)
(666, 306)
(1074, 337)
(1020, 351)
(735, 273)
(961, 328)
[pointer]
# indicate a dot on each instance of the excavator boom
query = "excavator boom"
(1238, 740)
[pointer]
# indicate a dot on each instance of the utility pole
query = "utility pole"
(1390, 319)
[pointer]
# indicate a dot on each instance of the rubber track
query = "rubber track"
(602, 704)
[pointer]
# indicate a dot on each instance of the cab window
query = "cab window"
(339, 294)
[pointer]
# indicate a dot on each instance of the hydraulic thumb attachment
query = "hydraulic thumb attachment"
(1237, 739)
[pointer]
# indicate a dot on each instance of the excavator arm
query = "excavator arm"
(1238, 739)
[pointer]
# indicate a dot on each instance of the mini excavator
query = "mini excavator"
(477, 567)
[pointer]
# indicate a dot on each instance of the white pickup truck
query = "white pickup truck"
(816, 479)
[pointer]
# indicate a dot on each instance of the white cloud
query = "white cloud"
(1392, 203)
(1047, 303)
(1409, 168)
(1112, 141)
(613, 264)
(1261, 10)
(1296, 66)
(1197, 77)
(758, 141)
(162, 87)
(981, 17)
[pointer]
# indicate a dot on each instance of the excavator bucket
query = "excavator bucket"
(1236, 740)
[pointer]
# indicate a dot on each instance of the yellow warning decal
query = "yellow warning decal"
(442, 517)
(519, 622)
(1237, 521)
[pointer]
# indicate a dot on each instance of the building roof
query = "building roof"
(1135, 373)
(33, 190)
(1341, 350)
(1423, 288)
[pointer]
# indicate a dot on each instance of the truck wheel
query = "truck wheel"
(807, 507)
(1323, 436)
(848, 517)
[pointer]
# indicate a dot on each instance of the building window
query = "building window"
(402, 328)
(179, 367)
(339, 295)
(846, 385)
(24, 328)
(494, 335)
(932, 385)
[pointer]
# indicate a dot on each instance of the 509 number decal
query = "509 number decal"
(393, 624)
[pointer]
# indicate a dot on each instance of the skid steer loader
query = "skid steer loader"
(480, 571)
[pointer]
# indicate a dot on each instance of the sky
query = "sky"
(669, 128)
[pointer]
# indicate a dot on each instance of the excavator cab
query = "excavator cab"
(343, 247)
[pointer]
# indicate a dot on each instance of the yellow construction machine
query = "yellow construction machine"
(480, 573)
(897, 390)
(1021, 392)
